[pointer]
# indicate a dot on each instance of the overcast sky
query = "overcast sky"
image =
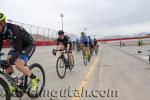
(100, 17)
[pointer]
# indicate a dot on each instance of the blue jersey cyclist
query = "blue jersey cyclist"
(84, 42)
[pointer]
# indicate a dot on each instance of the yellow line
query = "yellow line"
(86, 78)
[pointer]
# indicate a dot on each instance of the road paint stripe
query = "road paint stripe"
(86, 78)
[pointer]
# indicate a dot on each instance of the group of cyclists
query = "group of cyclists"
(23, 46)
(86, 41)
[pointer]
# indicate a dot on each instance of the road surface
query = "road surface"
(114, 74)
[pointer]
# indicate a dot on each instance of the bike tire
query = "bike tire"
(57, 67)
(6, 89)
(85, 60)
(36, 65)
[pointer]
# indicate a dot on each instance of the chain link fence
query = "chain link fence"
(41, 33)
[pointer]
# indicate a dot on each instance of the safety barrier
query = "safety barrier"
(37, 43)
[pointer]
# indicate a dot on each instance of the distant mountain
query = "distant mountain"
(141, 34)
(114, 36)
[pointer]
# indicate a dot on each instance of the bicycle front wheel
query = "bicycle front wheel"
(4, 90)
(61, 67)
(38, 71)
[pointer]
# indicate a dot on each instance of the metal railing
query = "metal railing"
(40, 33)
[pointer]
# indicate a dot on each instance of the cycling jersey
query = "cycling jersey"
(84, 40)
(20, 40)
(64, 41)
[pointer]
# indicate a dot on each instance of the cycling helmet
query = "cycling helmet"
(60, 32)
(82, 33)
(2, 17)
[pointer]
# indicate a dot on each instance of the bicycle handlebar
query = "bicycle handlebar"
(58, 50)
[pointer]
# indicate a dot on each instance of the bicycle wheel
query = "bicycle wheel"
(72, 64)
(4, 90)
(38, 71)
(85, 59)
(61, 67)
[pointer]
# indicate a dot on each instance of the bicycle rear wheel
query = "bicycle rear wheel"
(38, 71)
(85, 59)
(61, 67)
(4, 90)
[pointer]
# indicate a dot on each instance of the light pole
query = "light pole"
(85, 29)
(61, 15)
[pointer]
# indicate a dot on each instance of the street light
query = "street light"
(61, 15)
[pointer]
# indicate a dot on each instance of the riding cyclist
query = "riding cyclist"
(95, 42)
(96, 46)
(64, 43)
(91, 45)
(84, 42)
(22, 48)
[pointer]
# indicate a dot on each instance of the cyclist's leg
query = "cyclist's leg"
(88, 49)
(20, 65)
(70, 59)
(9, 70)
(82, 48)
(22, 60)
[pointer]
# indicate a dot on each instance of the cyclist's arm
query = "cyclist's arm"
(68, 43)
(17, 44)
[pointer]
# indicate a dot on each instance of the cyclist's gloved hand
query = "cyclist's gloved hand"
(54, 52)
(5, 64)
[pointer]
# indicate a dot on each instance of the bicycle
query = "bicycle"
(86, 57)
(96, 49)
(63, 63)
(25, 85)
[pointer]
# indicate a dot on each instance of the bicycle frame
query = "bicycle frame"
(63, 56)
(24, 80)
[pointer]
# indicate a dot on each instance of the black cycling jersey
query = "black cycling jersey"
(18, 38)
(95, 42)
(64, 41)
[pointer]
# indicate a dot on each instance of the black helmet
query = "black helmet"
(60, 32)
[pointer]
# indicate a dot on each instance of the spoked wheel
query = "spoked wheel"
(72, 64)
(61, 67)
(38, 71)
(4, 90)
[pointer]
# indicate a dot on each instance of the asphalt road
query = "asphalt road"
(111, 75)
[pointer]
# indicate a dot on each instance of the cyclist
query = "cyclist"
(95, 42)
(23, 47)
(64, 43)
(84, 43)
(77, 44)
(91, 45)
